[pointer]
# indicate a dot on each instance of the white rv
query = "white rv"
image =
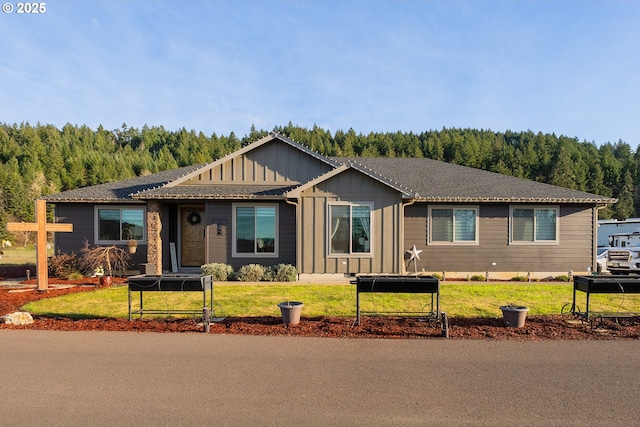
(609, 227)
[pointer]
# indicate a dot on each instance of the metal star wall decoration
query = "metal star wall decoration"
(415, 256)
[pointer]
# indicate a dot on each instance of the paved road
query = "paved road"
(146, 379)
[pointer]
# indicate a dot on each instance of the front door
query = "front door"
(192, 229)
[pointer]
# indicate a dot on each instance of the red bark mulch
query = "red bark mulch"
(536, 327)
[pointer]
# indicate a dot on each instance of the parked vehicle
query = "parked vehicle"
(624, 260)
(601, 260)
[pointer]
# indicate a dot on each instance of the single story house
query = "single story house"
(276, 201)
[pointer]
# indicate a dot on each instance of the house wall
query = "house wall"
(350, 186)
(573, 253)
(82, 216)
(219, 247)
(273, 162)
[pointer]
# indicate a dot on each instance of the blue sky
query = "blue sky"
(567, 67)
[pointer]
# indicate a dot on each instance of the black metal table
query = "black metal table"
(404, 284)
(603, 285)
(172, 283)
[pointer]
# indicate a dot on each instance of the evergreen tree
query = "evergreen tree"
(624, 208)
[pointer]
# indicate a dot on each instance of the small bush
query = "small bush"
(437, 276)
(76, 276)
(281, 273)
(270, 274)
(519, 279)
(251, 273)
(63, 265)
(562, 278)
(220, 272)
(478, 278)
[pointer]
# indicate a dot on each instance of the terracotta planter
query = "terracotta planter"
(132, 249)
(106, 280)
(514, 315)
(290, 312)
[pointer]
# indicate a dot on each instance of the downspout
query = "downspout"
(298, 231)
(594, 243)
(403, 270)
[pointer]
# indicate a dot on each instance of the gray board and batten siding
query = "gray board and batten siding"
(572, 252)
(350, 186)
(276, 162)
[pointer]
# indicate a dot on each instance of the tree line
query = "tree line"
(37, 160)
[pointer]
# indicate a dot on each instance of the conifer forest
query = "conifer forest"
(37, 160)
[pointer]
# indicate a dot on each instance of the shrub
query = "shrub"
(251, 273)
(281, 273)
(76, 276)
(563, 278)
(63, 265)
(478, 278)
(270, 274)
(220, 272)
(519, 279)
(437, 276)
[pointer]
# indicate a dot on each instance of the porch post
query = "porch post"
(154, 239)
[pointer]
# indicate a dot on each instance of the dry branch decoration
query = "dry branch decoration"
(110, 258)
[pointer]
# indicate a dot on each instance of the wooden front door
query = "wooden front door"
(192, 228)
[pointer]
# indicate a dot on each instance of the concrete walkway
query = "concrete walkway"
(54, 378)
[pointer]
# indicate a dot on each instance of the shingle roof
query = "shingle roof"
(435, 181)
(120, 190)
(217, 191)
(424, 179)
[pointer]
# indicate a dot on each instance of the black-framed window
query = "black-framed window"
(120, 224)
(255, 230)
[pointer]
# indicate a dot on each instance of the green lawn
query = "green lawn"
(17, 255)
(457, 300)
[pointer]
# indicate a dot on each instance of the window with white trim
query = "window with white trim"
(350, 228)
(453, 225)
(534, 224)
(120, 224)
(255, 230)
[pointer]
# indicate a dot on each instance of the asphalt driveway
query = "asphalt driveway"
(54, 378)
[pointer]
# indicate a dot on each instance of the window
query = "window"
(349, 229)
(255, 230)
(119, 224)
(454, 225)
(534, 225)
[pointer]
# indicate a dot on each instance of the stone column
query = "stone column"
(154, 239)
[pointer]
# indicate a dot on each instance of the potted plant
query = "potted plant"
(132, 245)
(514, 315)
(290, 311)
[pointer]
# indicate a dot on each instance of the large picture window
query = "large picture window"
(349, 229)
(451, 224)
(534, 225)
(255, 230)
(119, 224)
